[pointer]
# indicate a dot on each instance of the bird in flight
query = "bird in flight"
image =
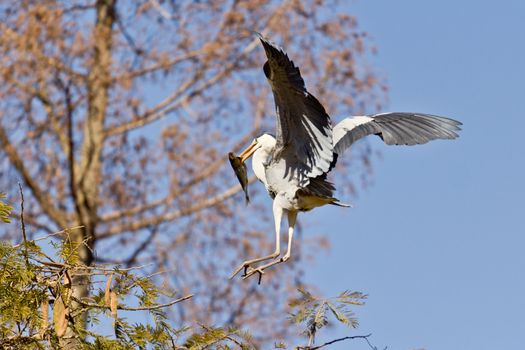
(293, 165)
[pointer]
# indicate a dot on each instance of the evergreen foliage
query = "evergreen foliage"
(31, 282)
(37, 304)
(5, 209)
(312, 313)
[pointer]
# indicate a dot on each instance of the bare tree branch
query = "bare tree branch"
(45, 201)
(127, 308)
(160, 111)
(32, 220)
(365, 337)
(204, 174)
(158, 219)
(24, 235)
(47, 60)
(161, 10)
(175, 101)
(159, 66)
(74, 85)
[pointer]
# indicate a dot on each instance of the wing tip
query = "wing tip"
(269, 45)
(257, 34)
(449, 124)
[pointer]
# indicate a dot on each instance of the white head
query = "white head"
(267, 142)
(261, 148)
(264, 144)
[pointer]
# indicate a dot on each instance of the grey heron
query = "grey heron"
(293, 165)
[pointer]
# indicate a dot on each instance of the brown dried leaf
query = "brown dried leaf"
(66, 293)
(44, 308)
(113, 303)
(107, 297)
(60, 313)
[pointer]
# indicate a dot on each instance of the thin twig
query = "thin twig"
(157, 66)
(131, 260)
(140, 308)
(53, 234)
(178, 99)
(102, 270)
(365, 337)
(226, 336)
(161, 10)
(26, 254)
(43, 198)
(129, 39)
(205, 173)
(171, 216)
(118, 269)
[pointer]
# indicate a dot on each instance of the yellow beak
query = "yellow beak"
(247, 153)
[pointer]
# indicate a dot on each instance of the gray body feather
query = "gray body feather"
(399, 128)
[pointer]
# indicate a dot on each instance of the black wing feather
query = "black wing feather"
(304, 129)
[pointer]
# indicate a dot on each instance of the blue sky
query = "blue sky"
(438, 240)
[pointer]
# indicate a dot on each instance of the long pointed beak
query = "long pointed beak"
(247, 153)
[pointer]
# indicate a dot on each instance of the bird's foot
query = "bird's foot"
(251, 271)
(245, 265)
(260, 269)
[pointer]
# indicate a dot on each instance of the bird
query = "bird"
(293, 165)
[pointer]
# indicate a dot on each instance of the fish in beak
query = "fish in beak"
(248, 152)
(239, 166)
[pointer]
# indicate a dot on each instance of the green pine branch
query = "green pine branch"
(312, 313)
(5, 209)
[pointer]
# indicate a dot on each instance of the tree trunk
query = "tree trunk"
(85, 174)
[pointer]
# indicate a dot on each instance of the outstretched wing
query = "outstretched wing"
(304, 129)
(394, 129)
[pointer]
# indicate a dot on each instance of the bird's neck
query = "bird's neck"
(260, 158)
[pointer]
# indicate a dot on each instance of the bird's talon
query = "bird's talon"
(252, 271)
(244, 266)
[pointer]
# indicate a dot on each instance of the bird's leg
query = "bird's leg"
(277, 214)
(292, 216)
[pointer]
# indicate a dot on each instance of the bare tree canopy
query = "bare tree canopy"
(117, 116)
